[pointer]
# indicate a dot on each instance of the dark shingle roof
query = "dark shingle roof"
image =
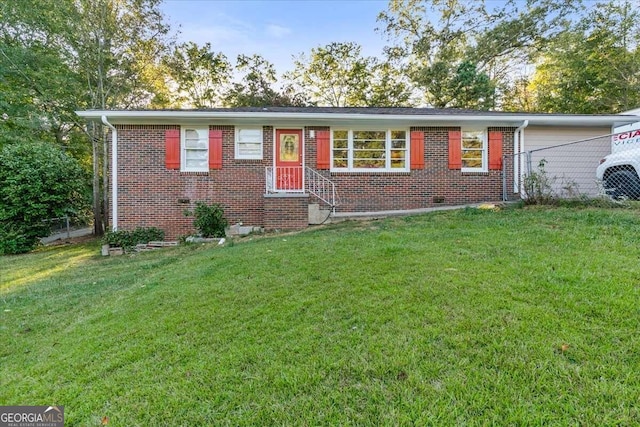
(405, 111)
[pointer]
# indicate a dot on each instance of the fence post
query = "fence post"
(66, 219)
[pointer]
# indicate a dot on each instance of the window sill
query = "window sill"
(372, 172)
(194, 173)
(245, 160)
(475, 173)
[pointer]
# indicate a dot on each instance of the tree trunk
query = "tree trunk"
(98, 228)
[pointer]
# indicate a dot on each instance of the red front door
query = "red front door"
(289, 159)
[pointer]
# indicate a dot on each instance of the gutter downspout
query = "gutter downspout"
(518, 148)
(114, 173)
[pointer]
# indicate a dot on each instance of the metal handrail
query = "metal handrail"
(315, 183)
(322, 187)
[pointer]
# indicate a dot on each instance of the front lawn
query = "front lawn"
(471, 317)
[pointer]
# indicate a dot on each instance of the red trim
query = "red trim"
(455, 149)
(323, 143)
(215, 149)
(495, 150)
(417, 150)
(172, 148)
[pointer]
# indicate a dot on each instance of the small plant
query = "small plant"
(128, 239)
(538, 187)
(209, 219)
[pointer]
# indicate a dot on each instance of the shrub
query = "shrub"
(538, 188)
(209, 220)
(128, 239)
(38, 181)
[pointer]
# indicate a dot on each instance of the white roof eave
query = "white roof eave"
(268, 117)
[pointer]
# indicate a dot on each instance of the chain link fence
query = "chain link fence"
(67, 227)
(570, 171)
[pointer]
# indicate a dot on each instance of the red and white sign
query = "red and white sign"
(626, 138)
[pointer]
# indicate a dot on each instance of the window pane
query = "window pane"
(249, 143)
(472, 140)
(398, 134)
(473, 149)
(192, 139)
(369, 134)
(398, 164)
(250, 135)
(368, 145)
(398, 154)
(249, 149)
(196, 155)
(339, 163)
(191, 134)
(340, 143)
(472, 163)
(368, 163)
(472, 143)
(340, 134)
(190, 163)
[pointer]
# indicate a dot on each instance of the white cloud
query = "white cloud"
(277, 31)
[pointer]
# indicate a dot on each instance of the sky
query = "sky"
(276, 29)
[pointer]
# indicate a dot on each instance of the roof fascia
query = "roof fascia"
(231, 117)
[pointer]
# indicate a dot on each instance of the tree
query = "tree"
(337, 75)
(255, 88)
(334, 75)
(199, 74)
(38, 88)
(387, 87)
(61, 55)
(444, 44)
(31, 192)
(594, 67)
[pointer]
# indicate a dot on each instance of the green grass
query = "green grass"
(453, 318)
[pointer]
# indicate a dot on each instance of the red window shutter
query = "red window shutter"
(495, 150)
(172, 146)
(417, 150)
(455, 149)
(215, 149)
(323, 150)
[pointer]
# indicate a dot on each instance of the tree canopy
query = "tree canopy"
(57, 56)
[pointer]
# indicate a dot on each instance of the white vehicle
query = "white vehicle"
(619, 171)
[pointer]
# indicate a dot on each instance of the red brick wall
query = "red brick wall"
(151, 195)
(434, 185)
(286, 212)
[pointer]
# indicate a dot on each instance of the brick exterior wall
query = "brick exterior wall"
(151, 195)
(436, 184)
(286, 212)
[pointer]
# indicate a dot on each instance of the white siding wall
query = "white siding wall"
(572, 167)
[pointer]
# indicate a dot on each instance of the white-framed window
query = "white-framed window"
(249, 143)
(195, 149)
(369, 150)
(474, 151)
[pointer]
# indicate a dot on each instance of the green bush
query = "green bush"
(128, 239)
(538, 187)
(209, 220)
(38, 181)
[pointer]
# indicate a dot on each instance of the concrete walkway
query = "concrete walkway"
(383, 214)
(81, 232)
